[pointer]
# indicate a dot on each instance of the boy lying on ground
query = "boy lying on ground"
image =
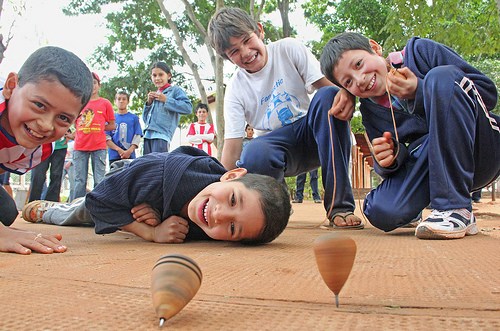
(190, 191)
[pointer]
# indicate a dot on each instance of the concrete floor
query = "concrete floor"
(398, 282)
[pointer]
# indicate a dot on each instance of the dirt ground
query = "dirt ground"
(398, 282)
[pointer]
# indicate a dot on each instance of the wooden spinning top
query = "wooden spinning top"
(334, 256)
(175, 279)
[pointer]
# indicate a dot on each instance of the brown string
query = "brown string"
(327, 218)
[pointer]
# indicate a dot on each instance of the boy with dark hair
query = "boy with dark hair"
(431, 128)
(201, 134)
(190, 191)
(37, 107)
(270, 91)
(125, 138)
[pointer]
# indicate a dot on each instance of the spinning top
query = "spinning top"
(175, 279)
(334, 256)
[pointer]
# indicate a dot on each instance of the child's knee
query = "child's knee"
(262, 158)
(443, 76)
(326, 93)
(385, 215)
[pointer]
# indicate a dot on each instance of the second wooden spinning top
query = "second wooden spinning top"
(335, 256)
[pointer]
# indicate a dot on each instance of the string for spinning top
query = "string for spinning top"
(335, 256)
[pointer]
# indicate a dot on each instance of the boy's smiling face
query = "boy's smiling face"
(228, 210)
(248, 52)
(362, 73)
(38, 113)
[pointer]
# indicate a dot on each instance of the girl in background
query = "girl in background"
(163, 110)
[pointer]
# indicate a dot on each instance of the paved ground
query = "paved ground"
(397, 283)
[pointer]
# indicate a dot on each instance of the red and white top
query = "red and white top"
(201, 135)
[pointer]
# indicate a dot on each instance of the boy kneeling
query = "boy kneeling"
(432, 131)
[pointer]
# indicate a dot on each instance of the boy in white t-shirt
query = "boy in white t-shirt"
(270, 91)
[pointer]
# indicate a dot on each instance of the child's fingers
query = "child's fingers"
(46, 244)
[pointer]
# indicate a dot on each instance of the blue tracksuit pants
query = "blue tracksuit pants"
(305, 145)
(460, 154)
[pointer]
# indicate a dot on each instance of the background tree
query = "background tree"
(178, 38)
(471, 28)
(18, 8)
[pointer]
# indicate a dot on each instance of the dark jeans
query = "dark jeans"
(39, 175)
(305, 145)
(313, 181)
(8, 208)
(155, 145)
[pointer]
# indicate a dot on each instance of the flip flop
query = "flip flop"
(344, 216)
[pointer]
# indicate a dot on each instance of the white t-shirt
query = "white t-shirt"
(275, 96)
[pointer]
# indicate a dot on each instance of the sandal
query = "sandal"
(33, 211)
(344, 216)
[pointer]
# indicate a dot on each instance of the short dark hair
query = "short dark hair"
(275, 203)
(336, 47)
(52, 63)
(163, 66)
(229, 22)
(201, 105)
(122, 92)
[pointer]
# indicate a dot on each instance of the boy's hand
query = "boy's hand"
(144, 213)
(383, 150)
(402, 84)
(172, 230)
(24, 242)
(343, 105)
(126, 154)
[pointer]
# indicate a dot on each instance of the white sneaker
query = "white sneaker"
(447, 224)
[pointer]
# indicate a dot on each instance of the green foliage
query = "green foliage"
(472, 27)
(491, 68)
(356, 124)
(334, 17)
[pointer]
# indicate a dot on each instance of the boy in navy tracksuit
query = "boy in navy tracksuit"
(431, 130)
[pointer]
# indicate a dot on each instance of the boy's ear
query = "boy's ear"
(10, 85)
(376, 47)
(261, 30)
(233, 174)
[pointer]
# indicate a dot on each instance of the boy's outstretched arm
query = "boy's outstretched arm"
(231, 152)
(24, 242)
(171, 230)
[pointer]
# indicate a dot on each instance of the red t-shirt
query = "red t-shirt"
(90, 134)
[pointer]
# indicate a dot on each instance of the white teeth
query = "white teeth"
(34, 134)
(205, 212)
(371, 83)
(252, 59)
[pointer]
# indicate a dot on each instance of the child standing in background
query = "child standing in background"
(248, 135)
(124, 140)
(95, 119)
(162, 110)
(201, 134)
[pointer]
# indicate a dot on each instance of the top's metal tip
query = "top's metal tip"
(337, 300)
(162, 322)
